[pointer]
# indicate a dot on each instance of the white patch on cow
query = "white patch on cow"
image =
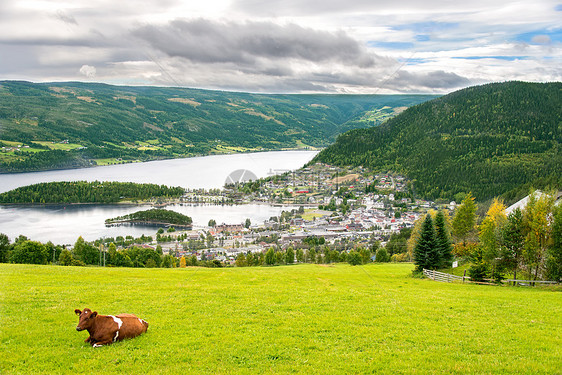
(141, 321)
(97, 346)
(116, 335)
(118, 321)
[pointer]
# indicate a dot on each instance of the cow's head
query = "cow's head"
(86, 319)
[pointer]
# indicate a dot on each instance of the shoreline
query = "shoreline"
(314, 149)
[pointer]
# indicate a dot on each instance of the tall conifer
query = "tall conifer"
(445, 250)
(426, 253)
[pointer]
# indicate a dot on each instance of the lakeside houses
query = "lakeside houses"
(336, 204)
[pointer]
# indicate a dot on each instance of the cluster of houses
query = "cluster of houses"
(374, 216)
(14, 148)
(372, 213)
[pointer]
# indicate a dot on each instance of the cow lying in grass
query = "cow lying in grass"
(105, 329)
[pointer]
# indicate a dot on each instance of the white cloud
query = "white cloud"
(88, 71)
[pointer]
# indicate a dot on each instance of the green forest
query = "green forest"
(156, 216)
(488, 140)
(71, 124)
(87, 192)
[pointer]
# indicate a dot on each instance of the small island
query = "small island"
(154, 216)
(83, 192)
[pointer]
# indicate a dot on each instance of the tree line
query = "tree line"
(526, 241)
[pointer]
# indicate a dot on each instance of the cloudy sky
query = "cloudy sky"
(283, 46)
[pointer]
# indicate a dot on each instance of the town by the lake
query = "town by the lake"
(337, 206)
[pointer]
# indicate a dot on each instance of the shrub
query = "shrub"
(77, 263)
(65, 258)
(354, 258)
(382, 255)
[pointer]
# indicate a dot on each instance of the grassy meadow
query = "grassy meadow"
(290, 319)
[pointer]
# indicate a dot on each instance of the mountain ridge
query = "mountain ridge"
(101, 123)
(487, 139)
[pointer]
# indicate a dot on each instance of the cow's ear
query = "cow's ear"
(77, 312)
(94, 314)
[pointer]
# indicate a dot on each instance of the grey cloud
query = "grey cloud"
(208, 41)
(436, 80)
(541, 39)
(66, 18)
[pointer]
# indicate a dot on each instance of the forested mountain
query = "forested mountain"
(486, 139)
(72, 124)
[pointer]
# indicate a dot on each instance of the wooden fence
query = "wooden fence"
(444, 277)
(448, 278)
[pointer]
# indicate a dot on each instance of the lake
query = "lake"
(63, 224)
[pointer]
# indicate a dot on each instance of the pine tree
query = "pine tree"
(512, 242)
(426, 253)
(444, 247)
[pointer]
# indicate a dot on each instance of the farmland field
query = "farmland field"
(298, 319)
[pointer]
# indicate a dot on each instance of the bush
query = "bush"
(382, 255)
(77, 263)
(477, 271)
(402, 257)
(354, 258)
(65, 258)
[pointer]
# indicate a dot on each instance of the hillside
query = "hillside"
(72, 124)
(487, 139)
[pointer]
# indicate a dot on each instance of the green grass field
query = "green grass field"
(291, 319)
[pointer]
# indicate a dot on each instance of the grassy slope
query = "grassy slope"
(303, 319)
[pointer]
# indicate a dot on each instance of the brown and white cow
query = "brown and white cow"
(105, 329)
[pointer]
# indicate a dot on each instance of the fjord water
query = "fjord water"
(199, 172)
(63, 224)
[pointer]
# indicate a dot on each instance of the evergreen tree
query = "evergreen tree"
(426, 254)
(512, 242)
(444, 247)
